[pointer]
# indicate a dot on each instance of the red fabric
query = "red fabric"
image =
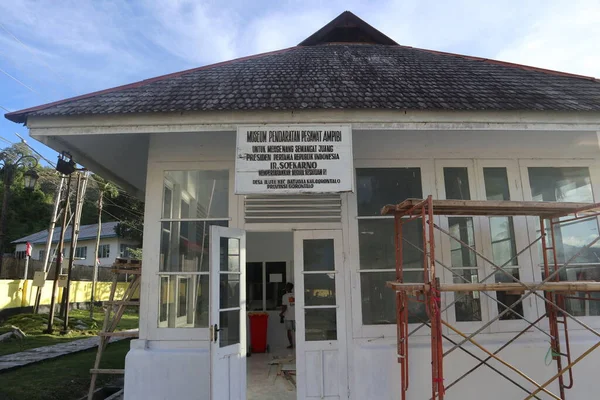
(28, 249)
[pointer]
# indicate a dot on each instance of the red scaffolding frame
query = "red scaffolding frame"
(554, 289)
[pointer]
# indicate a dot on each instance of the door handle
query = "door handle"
(214, 336)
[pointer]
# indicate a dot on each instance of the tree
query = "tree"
(130, 214)
(28, 211)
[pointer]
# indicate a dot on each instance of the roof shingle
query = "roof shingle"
(342, 76)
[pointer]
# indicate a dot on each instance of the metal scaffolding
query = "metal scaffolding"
(554, 290)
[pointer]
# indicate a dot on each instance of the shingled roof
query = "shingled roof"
(346, 65)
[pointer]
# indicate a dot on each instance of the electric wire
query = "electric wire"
(19, 82)
(36, 55)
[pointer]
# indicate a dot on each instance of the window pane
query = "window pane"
(229, 290)
(462, 228)
(561, 184)
(456, 182)
(468, 304)
(320, 324)
(376, 187)
(183, 301)
(196, 194)
(254, 286)
(276, 280)
(229, 328)
(502, 232)
(496, 183)
(230, 254)
(379, 301)
(508, 298)
(318, 255)
(319, 289)
(167, 202)
(467, 307)
(183, 291)
(377, 245)
(185, 254)
(582, 303)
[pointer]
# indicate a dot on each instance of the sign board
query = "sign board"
(288, 159)
(275, 278)
(62, 280)
(39, 278)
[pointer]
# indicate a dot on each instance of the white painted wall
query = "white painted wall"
(167, 371)
(160, 368)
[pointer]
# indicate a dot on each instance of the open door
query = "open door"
(228, 313)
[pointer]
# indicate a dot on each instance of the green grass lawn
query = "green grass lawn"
(64, 378)
(34, 325)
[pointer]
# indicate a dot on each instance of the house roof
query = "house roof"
(346, 65)
(86, 232)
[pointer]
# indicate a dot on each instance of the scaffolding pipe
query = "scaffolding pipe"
(501, 361)
(431, 289)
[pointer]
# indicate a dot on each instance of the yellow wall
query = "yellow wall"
(20, 293)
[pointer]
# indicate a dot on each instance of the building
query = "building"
(281, 162)
(111, 246)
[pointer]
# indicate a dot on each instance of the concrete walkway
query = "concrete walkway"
(22, 358)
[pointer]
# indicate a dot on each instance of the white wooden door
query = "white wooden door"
(321, 359)
(228, 313)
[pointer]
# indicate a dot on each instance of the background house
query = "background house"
(111, 246)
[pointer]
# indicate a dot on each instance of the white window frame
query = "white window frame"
(79, 248)
(594, 169)
(524, 263)
(151, 247)
(445, 245)
(428, 186)
(100, 250)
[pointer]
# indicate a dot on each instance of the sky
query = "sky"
(51, 50)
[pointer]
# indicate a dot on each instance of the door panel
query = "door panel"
(228, 313)
(322, 369)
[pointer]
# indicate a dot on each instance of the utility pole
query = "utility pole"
(81, 188)
(59, 256)
(96, 255)
(47, 254)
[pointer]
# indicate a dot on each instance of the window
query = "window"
(464, 262)
(81, 253)
(375, 188)
(104, 251)
(20, 255)
(268, 275)
(41, 255)
(192, 202)
(125, 250)
(502, 232)
(571, 184)
(254, 286)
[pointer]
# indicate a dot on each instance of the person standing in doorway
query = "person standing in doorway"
(288, 312)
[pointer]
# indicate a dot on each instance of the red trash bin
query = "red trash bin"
(258, 332)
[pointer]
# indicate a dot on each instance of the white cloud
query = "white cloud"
(561, 36)
(191, 30)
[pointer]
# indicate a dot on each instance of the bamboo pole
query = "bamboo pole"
(568, 367)
(501, 361)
